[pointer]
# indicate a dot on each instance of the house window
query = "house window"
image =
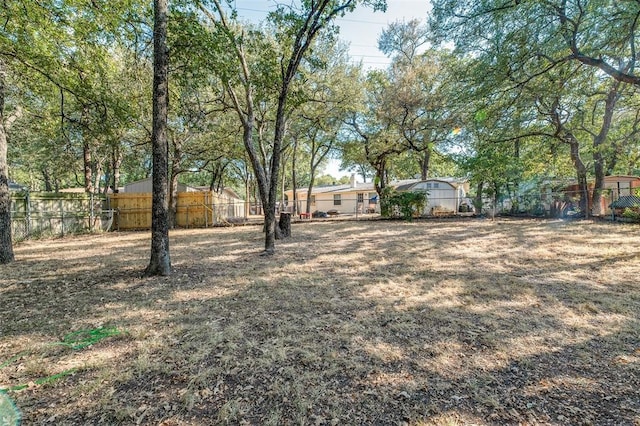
(313, 200)
(428, 186)
(436, 185)
(360, 197)
(337, 199)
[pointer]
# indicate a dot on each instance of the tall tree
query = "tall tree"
(529, 44)
(328, 94)
(160, 262)
(378, 138)
(6, 245)
(296, 28)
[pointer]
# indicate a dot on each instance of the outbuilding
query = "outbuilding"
(445, 196)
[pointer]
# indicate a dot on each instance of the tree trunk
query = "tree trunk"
(247, 198)
(310, 189)
(598, 143)
(46, 178)
(581, 174)
(424, 164)
(6, 245)
(282, 183)
(176, 164)
(294, 180)
(160, 263)
(477, 201)
(97, 171)
(173, 200)
(116, 163)
(598, 186)
(566, 136)
(86, 155)
(379, 182)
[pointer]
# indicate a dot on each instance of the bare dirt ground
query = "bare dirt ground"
(350, 323)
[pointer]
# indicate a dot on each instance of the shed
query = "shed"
(626, 202)
(146, 186)
(444, 195)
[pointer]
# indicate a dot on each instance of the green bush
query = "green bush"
(402, 204)
(631, 214)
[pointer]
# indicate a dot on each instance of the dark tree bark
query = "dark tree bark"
(581, 172)
(176, 169)
(294, 180)
(598, 142)
(116, 163)
(86, 155)
(566, 136)
(425, 161)
(46, 178)
(477, 201)
(160, 262)
(6, 245)
(173, 200)
(217, 176)
(284, 225)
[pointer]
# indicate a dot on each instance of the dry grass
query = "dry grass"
(350, 323)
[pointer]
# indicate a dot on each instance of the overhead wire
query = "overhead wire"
(353, 57)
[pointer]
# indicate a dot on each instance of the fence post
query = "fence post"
(495, 202)
(27, 209)
(91, 213)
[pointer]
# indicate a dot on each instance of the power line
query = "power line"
(357, 21)
(361, 22)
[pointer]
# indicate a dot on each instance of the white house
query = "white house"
(348, 198)
(444, 195)
(345, 199)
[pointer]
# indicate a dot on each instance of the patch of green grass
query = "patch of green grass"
(44, 380)
(82, 338)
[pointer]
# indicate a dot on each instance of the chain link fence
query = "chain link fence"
(38, 214)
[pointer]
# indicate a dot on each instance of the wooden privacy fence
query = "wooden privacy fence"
(194, 209)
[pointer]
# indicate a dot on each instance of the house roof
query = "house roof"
(570, 183)
(405, 186)
(359, 187)
(16, 187)
(626, 201)
(231, 193)
(399, 185)
(621, 177)
(455, 182)
(147, 185)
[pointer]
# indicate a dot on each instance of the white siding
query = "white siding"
(440, 194)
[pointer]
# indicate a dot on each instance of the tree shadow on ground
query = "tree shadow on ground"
(406, 325)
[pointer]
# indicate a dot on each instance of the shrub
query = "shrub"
(633, 214)
(402, 204)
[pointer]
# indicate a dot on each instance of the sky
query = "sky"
(360, 29)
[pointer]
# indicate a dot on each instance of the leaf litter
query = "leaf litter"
(435, 322)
